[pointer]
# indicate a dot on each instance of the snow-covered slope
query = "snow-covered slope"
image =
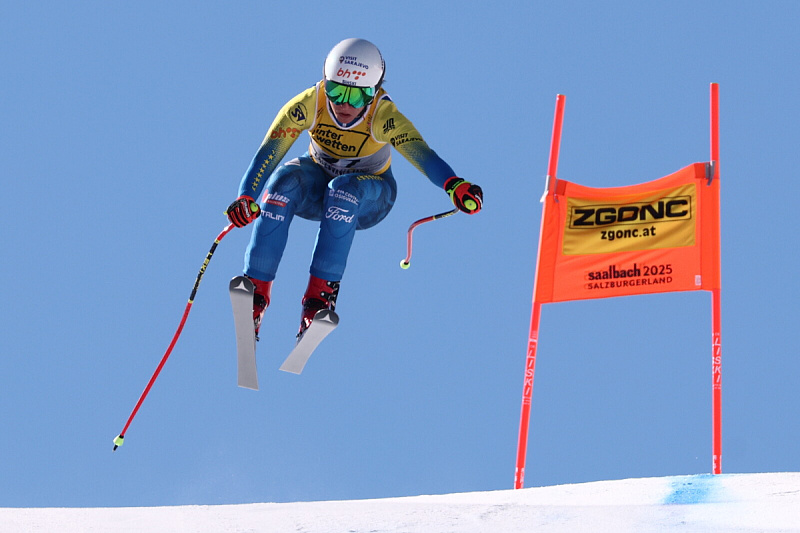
(704, 503)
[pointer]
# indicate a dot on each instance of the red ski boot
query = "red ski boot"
(320, 294)
(260, 300)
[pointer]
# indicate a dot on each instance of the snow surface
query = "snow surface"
(703, 503)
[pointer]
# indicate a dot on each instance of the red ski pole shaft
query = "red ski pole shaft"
(118, 441)
(405, 263)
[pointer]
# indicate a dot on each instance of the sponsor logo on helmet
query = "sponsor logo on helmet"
(352, 60)
(347, 74)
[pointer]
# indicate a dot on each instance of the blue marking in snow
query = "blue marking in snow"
(687, 490)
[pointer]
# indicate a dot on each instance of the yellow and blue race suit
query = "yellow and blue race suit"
(344, 180)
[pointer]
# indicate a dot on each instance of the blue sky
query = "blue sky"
(126, 130)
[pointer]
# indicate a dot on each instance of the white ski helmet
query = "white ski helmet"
(355, 62)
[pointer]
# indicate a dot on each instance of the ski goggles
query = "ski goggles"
(340, 94)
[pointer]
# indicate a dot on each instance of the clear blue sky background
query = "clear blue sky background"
(125, 133)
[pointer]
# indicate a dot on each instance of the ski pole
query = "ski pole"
(405, 263)
(121, 437)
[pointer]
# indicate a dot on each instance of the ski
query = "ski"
(324, 322)
(242, 291)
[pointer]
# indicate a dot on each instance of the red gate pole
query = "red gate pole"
(716, 306)
(533, 336)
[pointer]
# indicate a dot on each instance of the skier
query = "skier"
(344, 180)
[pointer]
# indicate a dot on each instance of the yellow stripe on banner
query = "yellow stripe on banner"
(660, 219)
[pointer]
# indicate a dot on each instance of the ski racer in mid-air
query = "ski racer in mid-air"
(344, 181)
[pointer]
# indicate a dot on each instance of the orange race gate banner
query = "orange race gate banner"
(659, 236)
(655, 237)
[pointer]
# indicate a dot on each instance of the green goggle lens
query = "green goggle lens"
(345, 94)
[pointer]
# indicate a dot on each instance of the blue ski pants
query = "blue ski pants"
(342, 205)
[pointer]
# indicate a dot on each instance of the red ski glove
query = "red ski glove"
(243, 211)
(466, 196)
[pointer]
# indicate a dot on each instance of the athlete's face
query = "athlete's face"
(345, 113)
